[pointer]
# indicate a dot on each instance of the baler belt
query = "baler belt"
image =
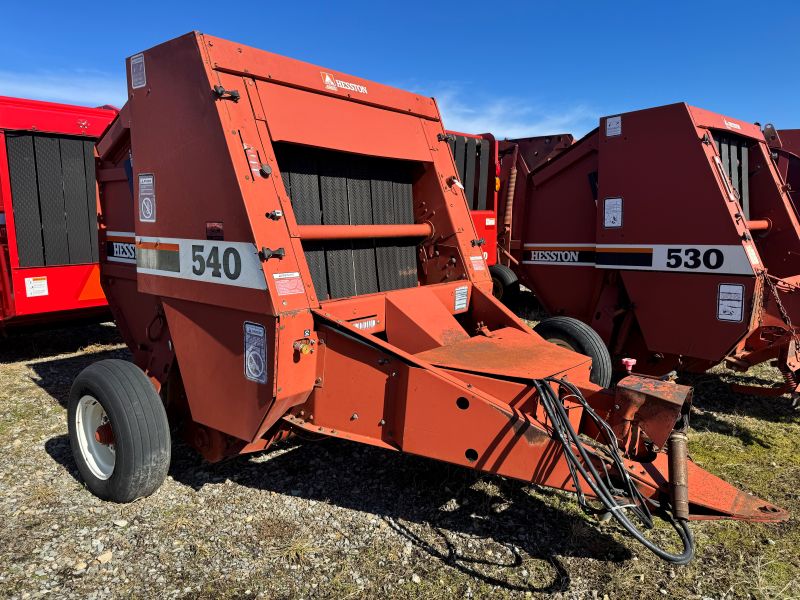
(733, 153)
(334, 188)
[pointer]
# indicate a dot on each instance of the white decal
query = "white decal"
(368, 324)
(477, 263)
(730, 302)
(138, 75)
(612, 212)
(613, 126)
(255, 352)
(333, 84)
(752, 255)
(147, 198)
(490, 222)
(287, 284)
(461, 296)
(731, 124)
(36, 286)
(227, 263)
(730, 259)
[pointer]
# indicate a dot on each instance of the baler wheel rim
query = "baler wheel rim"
(112, 402)
(89, 417)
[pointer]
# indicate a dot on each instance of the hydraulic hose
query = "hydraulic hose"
(581, 464)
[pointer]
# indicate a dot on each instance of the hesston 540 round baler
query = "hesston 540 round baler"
(305, 261)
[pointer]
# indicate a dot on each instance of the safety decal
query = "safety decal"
(730, 302)
(36, 286)
(612, 213)
(613, 126)
(727, 259)
(138, 75)
(226, 263)
(287, 284)
(255, 352)
(477, 263)
(147, 198)
(121, 246)
(461, 297)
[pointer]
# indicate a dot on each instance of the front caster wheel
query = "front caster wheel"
(118, 431)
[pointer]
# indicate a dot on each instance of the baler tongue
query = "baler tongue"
(510, 354)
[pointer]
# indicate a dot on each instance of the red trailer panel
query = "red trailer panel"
(48, 211)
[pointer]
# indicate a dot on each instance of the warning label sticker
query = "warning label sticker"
(138, 76)
(461, 296)
(730, 302)
(613, 126)
(612, 212)
(36, 286)
(477, 263)
(287, 284)
(255, 352)
(147, 198)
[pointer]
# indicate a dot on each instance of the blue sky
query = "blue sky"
(512, 68)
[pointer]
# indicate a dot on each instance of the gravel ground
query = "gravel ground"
(333, 519)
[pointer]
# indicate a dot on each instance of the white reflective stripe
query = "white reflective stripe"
(122, 234)
(226, 263)
(728, 259)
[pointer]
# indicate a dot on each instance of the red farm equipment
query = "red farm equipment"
(305, 263)
(669, 231)
(48, 211)
(785, 145)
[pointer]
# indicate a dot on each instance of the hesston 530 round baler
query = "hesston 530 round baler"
(670, 231)
(305, 261)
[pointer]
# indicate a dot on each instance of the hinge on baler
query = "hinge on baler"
(267, 253)
(445, 137)
(221, 93)
(478, 242)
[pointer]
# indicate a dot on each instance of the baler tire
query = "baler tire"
(140, 437)
(579, 337)
(505, 285)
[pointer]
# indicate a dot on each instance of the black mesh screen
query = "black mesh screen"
(335, 188)
(733, 152)
(471, 156)
(53, 199)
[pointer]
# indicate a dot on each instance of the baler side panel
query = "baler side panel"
(558, 215)
(658, 208)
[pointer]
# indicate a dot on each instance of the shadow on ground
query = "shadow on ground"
(41, 342)
(435, 506)
(56, 376)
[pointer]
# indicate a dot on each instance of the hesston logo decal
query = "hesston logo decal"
(333, 84)
(121, 246)
(555, 256)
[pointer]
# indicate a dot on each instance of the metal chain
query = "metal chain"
(784, 315)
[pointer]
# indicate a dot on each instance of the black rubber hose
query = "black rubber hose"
(603, 489)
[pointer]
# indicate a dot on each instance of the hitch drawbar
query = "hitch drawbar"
(376, 323)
